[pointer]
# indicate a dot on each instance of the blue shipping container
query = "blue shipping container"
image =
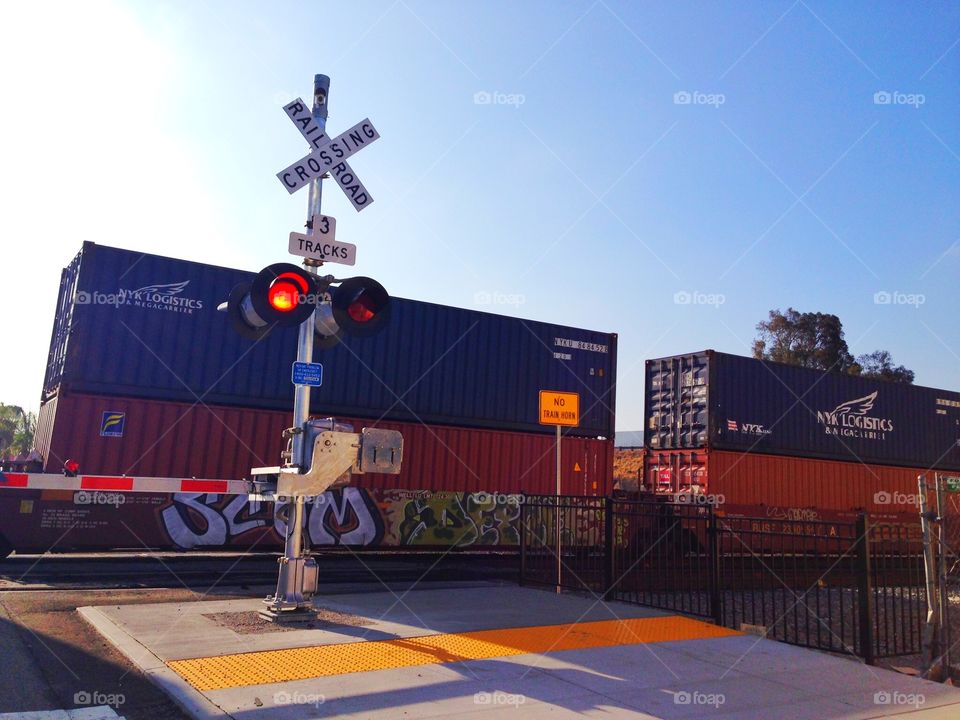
(727, 402)
(139, 325)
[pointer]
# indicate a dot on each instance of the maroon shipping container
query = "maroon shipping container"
(779, 485)
(129, 436)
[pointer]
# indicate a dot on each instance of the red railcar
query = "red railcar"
(458, 486)
(791, 485)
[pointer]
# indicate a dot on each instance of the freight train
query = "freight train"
(145, 377)
(780, 441)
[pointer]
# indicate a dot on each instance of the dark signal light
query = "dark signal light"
(361, 306)
(359, 311)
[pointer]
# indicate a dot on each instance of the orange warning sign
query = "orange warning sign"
(559, 408)
(576, 467)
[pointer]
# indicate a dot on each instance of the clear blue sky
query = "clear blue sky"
(587, 191)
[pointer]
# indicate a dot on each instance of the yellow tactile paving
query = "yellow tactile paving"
(273, 666)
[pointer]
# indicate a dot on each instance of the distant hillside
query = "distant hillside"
(626, 468)
(628, 438)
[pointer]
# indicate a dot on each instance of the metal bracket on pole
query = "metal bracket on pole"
(943, 598)
(930, 650)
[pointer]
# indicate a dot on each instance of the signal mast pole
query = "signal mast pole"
(301, 397)
(289, 596)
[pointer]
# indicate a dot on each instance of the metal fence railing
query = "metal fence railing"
(662, 556)
(793, 581)
(846, 587)
(580, 562)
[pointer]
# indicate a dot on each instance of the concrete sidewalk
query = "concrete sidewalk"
(487, 650)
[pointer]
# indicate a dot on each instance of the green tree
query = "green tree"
(812, 340)
(815, 340)
(17, 430)
(879, 365)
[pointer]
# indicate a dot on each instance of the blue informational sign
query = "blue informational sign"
(307, 374)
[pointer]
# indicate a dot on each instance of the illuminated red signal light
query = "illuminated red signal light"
(283, 296)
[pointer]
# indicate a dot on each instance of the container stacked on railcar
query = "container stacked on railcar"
(136, 325)
(759, 433)
(145, 377)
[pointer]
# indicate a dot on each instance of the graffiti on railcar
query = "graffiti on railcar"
(348, 516)
(200, 519)
(458, 519)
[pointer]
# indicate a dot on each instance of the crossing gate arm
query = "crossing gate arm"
(122, 483)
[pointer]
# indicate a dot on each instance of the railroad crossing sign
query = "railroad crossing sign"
(559, 408)
(322, 244)
(328, 155)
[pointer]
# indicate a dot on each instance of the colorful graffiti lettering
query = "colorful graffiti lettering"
(458, 519)
(345, 517)
(349, 516)
(194, 520)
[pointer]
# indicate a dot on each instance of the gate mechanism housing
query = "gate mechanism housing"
(332, 454)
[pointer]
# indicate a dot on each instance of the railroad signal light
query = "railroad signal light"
(71, 468)
(280, 294)
(358, 306)
(286, 295)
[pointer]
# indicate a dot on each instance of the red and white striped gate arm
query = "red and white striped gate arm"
(122, 483)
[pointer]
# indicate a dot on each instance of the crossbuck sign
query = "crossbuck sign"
(328, 155)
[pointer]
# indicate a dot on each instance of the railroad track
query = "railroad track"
(208, 571)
